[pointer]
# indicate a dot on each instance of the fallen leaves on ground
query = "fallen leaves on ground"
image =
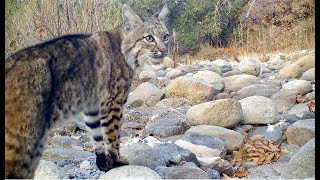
(255, 149)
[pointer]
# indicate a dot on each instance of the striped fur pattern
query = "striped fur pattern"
(88, 74)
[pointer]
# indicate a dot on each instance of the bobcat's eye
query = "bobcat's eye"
(166, 37)
(149, 38)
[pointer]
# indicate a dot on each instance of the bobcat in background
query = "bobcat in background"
(86, 73)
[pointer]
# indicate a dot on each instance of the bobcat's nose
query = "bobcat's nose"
(162, 50)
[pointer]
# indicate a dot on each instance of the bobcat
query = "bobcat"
(85, 73)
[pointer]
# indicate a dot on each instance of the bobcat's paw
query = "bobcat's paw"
(106, 162)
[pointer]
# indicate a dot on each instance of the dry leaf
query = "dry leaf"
(269, 158)
(257, 136)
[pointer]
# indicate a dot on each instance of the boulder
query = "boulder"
(237, 82)
(131, 172)
(306, 62)
(225, 113)
(301, 132)
(291, 71)
(259, 110)
(250, 66)
(147, 93)
(298, 87)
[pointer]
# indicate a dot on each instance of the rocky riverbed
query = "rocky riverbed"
(189, 122)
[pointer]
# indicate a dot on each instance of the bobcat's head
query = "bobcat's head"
(144, 39)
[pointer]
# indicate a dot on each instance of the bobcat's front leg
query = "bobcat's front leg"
(111, 121)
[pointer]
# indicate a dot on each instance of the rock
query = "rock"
(65, 141)
(310, 96)
(147, 75)
(49, 170)
(231, 73)
(211, 78)
(299, 110)
(165, 128)
(222, 64)
(130, 172)
(301, 132)
(188, 68)
(237, 82)
(173, 73)
(146, 92)
(212, 68)
(257, 90)
(270, 133)
(302, 164)
(221, 165)
(194, 90)
(168, 62)
(172, 102)
(64, 154)
(213, 174)
(232, 139)
(222, 96)
(266, 171)
(200, 145)
(161, 73)
(291, 71)
(259, 110)
(306, 62)
(224, 113)
(174, 154)
(298, 87)
(187, 171)
(309, 75)
(277, 84)
(250, 66)
(88, 165)
(284, 100)
(143, 155)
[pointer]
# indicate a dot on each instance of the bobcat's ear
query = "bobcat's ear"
(163, 13)
(130, 19)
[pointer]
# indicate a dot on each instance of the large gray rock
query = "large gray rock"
(270, 133)
(211, 78)
(250, 66)
(257, 90)
(174, 154)
(298, 87)
(65, 142)
(212, 68)
(49, 170)
(208, 141)
(259, 110)
(306, 62)
(65, 154)
(131, 172)
(301, 132)
(224, 113)
(221, 165)
(187, 171)
(147, 75)
(231, 73)
(237, 82)
(189, 87)
(147, 93)
(302, 164)
(284, 100)
(173, 73)
(222, 64)
(165, 128)
(232, 139)
(309, 75)
(143, 155)
(299, 110)
(291, 71)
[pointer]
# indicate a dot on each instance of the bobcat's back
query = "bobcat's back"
(54, 80)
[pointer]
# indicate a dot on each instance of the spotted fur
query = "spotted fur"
(88, 74)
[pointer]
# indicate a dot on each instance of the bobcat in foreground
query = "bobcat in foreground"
(89, 74)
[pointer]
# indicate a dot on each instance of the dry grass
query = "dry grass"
(37, 21)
